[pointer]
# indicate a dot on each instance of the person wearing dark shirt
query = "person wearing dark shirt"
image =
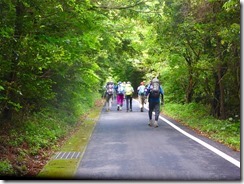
(154, 102)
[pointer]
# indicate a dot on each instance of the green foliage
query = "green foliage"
(174, 90)
(202, 41)
(56, 56)
(44, 128)
(181, 41)
(77, 142)
(41, 130)
(197, 117)
(6, 168)
(44, 61)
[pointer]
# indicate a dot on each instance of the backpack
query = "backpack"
(110, 88)
(128, 90)
(141, 90)
(155, 88)
(120, 89)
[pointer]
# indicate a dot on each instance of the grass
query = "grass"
(6, 168)
(27, 144)
(66, 169)
(25, 155)
(59, 169)
(196, 117)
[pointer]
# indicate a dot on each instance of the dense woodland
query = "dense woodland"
(58, 54)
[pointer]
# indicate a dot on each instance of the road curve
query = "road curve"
(124, 147)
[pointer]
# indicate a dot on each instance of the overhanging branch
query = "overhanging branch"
(107, 7)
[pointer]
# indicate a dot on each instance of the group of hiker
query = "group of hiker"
(121, 91)
(152, 92)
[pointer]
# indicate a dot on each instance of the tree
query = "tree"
(197, 31)
(55, 52)
(41, 54)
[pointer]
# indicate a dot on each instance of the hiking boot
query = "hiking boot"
(156, 124)
(118, 108)
(142, 109)
(150, 123)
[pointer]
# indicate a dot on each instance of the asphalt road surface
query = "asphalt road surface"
(124, 147)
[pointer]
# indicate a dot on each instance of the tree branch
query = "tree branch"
(119, 7)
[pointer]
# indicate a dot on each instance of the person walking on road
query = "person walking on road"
(109, 95)
(154, 90)
(141, 90)
(128, 96)
(120, 96)
(124, 84)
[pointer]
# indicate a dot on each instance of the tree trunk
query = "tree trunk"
(215, 103)
(219, 94)
(190, 87)
(221, 73)
(218, 104)
(12, 78)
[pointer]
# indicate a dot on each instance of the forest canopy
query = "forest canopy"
(60, 53)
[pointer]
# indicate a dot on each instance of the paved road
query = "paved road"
(124, 147)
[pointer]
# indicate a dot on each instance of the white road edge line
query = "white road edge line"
(206, 145)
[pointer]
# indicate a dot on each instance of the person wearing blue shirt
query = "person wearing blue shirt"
(154, 102)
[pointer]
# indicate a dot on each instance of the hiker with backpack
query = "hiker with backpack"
(128, 96)
(124, 84)
(154, 90)
(141, 90)
(109, 95)
(120, 95)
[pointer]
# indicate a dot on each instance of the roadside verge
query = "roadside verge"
(64, 163)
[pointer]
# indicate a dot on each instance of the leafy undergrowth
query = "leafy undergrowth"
(26, 147)
(65, 168)
(196, 117)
